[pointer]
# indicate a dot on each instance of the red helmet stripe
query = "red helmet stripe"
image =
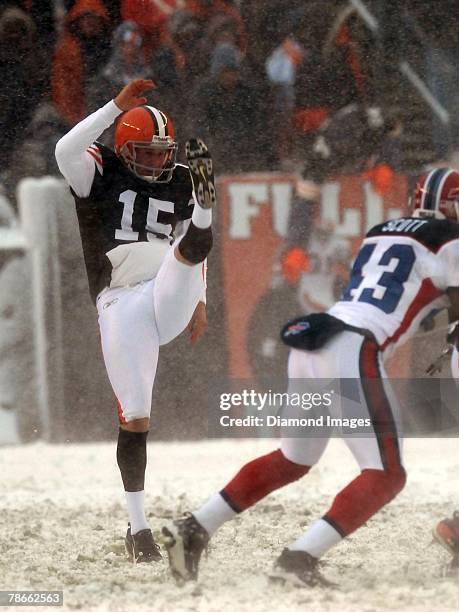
(440, 190)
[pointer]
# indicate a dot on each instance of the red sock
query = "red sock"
(363, 497)
(259, 478)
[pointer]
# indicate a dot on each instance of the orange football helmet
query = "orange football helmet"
(147, 129)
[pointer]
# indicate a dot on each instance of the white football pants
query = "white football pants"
(136, 320)
(348, 355)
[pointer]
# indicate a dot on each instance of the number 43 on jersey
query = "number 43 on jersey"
(386, 291)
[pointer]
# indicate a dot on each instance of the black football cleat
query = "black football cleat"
(298, 568)
(201, 172)
(185, 541)
(141, 547)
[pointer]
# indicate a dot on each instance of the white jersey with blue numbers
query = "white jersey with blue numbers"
(399, 277)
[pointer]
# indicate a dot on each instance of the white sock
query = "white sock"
(136, 510)
(214, 513)
(318, 539)
(201, 217)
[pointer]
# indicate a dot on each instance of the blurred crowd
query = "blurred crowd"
(272, 84)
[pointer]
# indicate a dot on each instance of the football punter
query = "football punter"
(145, 225)
(406, 269)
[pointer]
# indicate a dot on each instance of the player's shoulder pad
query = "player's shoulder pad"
(432, 233)
(106, 152)
(182, 176)
(110, 159)
(183, 172)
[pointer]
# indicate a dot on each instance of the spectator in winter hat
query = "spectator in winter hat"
(209, 12)
(83, 48)
(152, 18)
(125, 64)
(187, 39)
(230, 114)
(225, 59)
(126, 61)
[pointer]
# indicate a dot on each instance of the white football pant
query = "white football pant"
(136, 320)
(348, 355)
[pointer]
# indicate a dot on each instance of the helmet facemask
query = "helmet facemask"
(422, 213)
(157, 173)
(451, 208)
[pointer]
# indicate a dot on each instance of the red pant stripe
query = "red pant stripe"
(373, 488)
(120, 412)
(378, 405)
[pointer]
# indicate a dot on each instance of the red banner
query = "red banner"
(253, 216)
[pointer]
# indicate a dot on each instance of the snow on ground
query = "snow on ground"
(63, 525)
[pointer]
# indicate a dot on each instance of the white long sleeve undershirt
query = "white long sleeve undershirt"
(76, 164)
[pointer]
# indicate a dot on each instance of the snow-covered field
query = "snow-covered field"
(63, 523)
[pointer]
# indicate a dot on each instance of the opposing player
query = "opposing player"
(405, 269)
(145, 225)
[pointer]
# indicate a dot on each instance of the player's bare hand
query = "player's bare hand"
(198, 324)
(131, 95)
